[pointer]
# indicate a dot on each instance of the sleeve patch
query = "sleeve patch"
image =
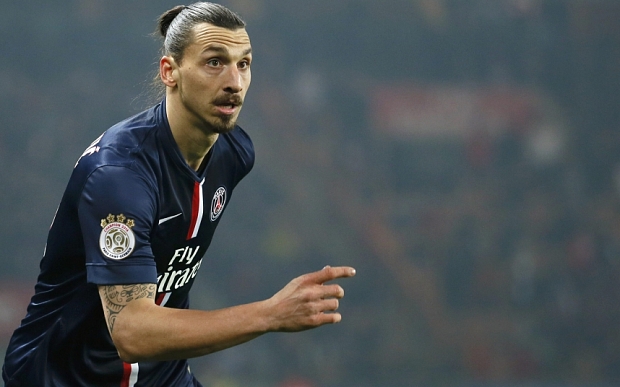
(117, 240)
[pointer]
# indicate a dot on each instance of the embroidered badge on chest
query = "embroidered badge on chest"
(218, 202)
(117, 240)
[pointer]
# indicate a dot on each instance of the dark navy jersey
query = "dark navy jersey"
(133, 212)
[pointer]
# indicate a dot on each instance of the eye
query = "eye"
(244, 64)
(214, 62)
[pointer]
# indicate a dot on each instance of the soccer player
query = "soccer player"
(111, 303)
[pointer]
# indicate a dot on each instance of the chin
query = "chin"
(223, 128)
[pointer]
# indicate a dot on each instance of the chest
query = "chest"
(189, 212)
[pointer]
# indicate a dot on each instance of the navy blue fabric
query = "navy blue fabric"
(133, 176)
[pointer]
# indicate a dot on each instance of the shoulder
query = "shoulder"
(241, 144)
(130, 144)
(133, 135)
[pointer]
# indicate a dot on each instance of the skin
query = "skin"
(142, 330)
(205, 91)
(214, 72)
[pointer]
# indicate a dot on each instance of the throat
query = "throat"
(193, 151)
(200, 167)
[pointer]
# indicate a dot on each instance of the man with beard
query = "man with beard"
(111, 302)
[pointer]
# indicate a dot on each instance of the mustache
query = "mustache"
(229, 99)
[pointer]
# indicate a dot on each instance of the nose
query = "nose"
(234, 80)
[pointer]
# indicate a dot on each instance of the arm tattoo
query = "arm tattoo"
(116, 297)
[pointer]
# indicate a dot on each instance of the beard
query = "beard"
(222, 125)
(225, 123)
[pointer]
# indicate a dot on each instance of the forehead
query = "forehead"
(206, 36)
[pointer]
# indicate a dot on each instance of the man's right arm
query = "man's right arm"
(142, 330)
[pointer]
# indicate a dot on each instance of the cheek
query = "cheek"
(198, 86)
(247, 80)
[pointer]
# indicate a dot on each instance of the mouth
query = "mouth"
(226, 109)
(228, 106)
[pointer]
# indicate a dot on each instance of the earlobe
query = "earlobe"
(167, 66)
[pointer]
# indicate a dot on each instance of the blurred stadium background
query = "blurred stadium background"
(463, 155)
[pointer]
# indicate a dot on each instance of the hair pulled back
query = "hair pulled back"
(175, 25)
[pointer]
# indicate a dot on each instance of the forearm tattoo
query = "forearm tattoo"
(116, 297)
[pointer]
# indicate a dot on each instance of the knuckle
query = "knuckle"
(307, 295)
(315, 320)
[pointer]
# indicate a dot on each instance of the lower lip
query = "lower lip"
(226, 110)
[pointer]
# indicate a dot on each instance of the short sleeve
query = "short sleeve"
(242, 145)
(116, 212)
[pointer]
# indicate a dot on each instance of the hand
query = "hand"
(306, 303)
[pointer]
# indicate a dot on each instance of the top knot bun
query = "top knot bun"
(165, 19)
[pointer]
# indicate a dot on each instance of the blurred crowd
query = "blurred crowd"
(487, 249)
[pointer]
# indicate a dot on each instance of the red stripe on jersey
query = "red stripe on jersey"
(130, 375)
(195, 206)
(197, 211)
(160, 298)
(126, 374)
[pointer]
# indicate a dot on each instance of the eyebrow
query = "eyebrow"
(224, 50)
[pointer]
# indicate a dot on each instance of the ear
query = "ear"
(168, 71)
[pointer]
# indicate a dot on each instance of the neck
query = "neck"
(193, 141)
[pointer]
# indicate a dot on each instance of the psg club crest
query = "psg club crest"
(117, 240)
(218, 202)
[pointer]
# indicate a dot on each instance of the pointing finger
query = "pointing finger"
(330, 273)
